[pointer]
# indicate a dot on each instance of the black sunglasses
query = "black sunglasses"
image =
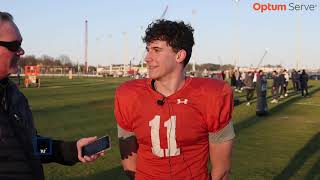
(12, 46)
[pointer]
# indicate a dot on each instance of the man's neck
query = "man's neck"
(3, 86)
(169, 86)
(4, 81)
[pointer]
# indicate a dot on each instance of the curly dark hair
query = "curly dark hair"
(177, 34)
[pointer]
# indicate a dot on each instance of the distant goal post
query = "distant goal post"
(31, 76)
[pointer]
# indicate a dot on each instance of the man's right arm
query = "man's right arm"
(128, 150)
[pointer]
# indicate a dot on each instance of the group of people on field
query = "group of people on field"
(246, 81)
(280, 81)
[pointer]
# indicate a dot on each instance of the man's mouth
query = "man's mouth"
(152, 67)
(14, 62)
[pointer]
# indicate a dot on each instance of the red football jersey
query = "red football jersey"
(173, 137)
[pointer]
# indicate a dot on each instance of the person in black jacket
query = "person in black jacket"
(275, 87)
(282, 84)
(22, 150)
(249, 87)
(261, 90)
(295, 78)
(233, 80)
(304, 78)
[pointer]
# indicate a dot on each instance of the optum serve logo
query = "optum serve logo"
(283, 7)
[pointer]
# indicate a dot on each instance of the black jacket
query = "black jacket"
(18, 159)
(282, 79)
(304, 78)
(276, 81)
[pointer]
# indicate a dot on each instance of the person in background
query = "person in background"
(238, 80)
(304, 78)
(294, 76)
(261, 90)
(249, 87)
(223, 75)
(298, 80)
(275, 87)
(282, 84)
(233, 80)
(286, 82)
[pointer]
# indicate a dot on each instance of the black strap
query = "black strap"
(130, 174)
(153, 84)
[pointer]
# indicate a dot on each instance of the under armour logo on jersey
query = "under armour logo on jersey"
(179, 101)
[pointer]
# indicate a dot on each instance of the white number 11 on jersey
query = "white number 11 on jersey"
(172, 149)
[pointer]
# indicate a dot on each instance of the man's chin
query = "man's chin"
(13, 70)
(152, 76)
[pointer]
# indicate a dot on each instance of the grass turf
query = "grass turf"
(283, 145)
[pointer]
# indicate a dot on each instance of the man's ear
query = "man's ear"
(181, 56)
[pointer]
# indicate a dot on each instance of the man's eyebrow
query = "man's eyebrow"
(155, 47)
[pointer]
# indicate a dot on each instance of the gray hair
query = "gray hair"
(4, 16)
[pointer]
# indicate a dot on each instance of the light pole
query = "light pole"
(86, 48)
(298, 38)
(110, 48)
(236, 34)
(125, 51)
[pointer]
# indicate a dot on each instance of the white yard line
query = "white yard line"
(308, 104)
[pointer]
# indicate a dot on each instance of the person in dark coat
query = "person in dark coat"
(294, 76)
(304, 78)
(233, 80)
(249, 87)
(22, 149)
(298, 82)
(275, 87)
(261, 90)
(282, 84)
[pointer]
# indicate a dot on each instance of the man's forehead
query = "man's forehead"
(9, 31)
(157, 43)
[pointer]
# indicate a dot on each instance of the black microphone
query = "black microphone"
(161, 102)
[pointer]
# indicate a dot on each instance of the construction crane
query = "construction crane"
(263, 56)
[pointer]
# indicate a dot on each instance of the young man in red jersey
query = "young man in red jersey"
(170, 124)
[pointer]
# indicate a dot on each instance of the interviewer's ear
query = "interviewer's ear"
(181, 56)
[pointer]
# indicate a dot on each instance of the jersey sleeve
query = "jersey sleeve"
(121, 112)
(219, 109)
(224, 134)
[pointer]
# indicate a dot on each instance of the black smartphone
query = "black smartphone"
(100, 144)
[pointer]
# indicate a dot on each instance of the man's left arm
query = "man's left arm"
(221, 135)
(220, 149)
(62, 152)
(69, 152)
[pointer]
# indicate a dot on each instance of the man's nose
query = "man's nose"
(147, 58)
(20, 52)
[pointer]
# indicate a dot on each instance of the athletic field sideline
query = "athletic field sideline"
(283, 145)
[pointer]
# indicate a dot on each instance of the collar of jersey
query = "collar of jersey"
(173, 96)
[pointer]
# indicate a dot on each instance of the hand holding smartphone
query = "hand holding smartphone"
(100, 144)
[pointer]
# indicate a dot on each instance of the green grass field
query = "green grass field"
(283, 145)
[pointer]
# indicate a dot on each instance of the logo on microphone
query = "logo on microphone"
(180, 101)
